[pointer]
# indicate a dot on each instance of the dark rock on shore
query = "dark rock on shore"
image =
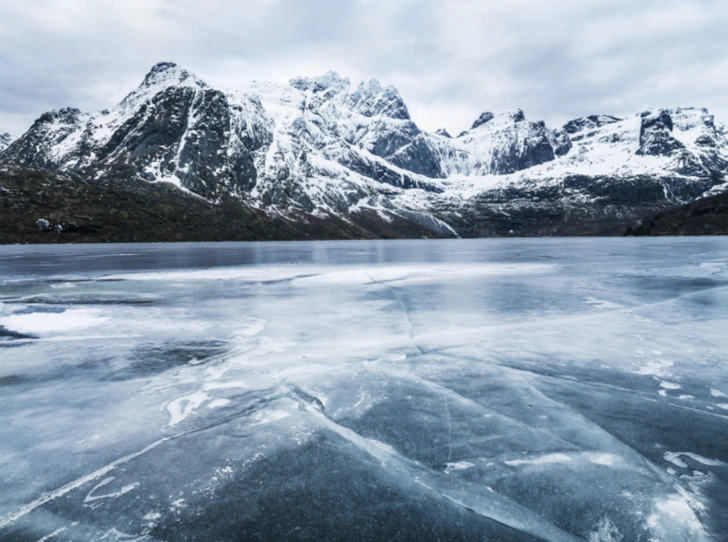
(706, 216)
(38, 206)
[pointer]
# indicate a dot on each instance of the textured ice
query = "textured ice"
(464, 390)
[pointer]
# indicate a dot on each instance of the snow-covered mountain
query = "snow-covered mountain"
(5, 140)
(323, 146)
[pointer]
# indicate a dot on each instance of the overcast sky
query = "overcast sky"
(450, 59)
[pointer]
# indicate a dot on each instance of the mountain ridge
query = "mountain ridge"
(323, 147)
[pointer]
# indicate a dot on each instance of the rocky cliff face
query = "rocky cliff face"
(324, 147)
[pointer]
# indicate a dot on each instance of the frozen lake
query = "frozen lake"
(512, 390)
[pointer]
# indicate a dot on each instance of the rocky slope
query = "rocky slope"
(705, 216)
(5, 140)
(322, 148)
(38, 206)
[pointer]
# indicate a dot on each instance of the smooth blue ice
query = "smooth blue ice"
(569, 389)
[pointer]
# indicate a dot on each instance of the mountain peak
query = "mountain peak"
(506, 117)
(373, 86)
(485, 117)
(327, 81)
(590, 122)
(516, 115)
(163, 66)
(66, 115)
(166, 72)
(371, 99)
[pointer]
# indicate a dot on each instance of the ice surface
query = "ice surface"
(415, 390)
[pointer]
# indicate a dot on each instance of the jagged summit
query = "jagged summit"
(371, 99)
(163, 76)
(590, 122)
(166, 73)
(482, 119)
(516, 115)
(66, 115)
(491, 120)
(163, 67)
(329, 81)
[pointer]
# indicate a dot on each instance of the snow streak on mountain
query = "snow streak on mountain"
(326, 147)
(5, 140)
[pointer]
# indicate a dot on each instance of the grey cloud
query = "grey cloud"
(451, 60)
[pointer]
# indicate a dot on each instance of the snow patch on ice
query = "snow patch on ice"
(262, 418)
(44, 323)
(543, 460)
(605, 459)
(674, 458)
(606, 531)
(670, 385)
(365, 402)
(217, 403)
(152, 516)
(179, 409)
(177, 505)
(64, 285)
(673, 519)
(657, 367)
(459, 465)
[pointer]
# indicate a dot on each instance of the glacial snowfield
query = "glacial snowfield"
(502, 389)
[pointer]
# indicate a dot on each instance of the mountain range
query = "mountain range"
(323, 150)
